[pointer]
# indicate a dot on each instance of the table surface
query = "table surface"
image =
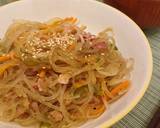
(141, 115)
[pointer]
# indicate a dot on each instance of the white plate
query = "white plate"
(97, 16)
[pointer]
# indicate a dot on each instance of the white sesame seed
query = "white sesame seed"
(90, 43)
(34, 56)
(21, 37)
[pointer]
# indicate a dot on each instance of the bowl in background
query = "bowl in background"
(144, 12)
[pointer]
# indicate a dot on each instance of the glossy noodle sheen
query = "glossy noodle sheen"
(57, 75)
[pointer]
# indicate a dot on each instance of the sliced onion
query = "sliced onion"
(110, 70)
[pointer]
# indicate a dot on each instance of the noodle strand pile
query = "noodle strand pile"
(57, 75)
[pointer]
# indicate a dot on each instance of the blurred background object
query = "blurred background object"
(2, 2)
(146, 13)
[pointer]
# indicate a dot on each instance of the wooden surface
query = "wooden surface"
(146, 13)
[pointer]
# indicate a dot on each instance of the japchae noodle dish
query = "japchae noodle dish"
(58, 75)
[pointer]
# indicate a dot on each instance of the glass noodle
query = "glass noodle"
(58, 75)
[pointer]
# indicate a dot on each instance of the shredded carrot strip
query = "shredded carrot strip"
(115, 91)
(70, 19)
(71, 47)
(5, 66)
(107, 98)
(121, 87)
(6, 57)
(42, 73)
(80, 83)
(96, 110)
(61, 21)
